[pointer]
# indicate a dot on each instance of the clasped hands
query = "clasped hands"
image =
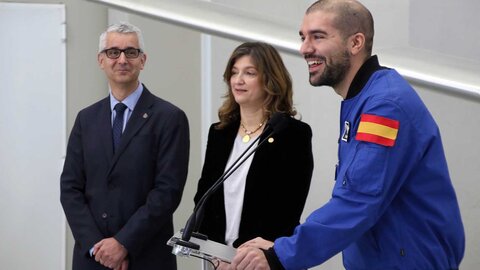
(111, 254)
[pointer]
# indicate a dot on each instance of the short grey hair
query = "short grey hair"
(123, 28)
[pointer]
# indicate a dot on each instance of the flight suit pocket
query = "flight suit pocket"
(366, 172)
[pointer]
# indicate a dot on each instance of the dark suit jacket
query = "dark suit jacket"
(277, 183)
(130, 195)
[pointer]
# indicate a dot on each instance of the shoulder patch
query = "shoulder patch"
(377, 129)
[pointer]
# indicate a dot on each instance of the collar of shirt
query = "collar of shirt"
(131, 100)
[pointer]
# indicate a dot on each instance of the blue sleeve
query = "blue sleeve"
(367, 181)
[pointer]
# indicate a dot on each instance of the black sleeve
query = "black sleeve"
(272, 259)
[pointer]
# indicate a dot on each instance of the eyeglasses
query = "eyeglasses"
(130, 53)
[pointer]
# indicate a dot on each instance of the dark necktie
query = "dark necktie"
(118, 124)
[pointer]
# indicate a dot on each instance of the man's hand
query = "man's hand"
(110, 253)
(123, 265)
(249, 258)
(258, 243)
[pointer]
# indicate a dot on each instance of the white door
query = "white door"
(32, 135)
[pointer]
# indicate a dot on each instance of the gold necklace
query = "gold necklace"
(246, 137)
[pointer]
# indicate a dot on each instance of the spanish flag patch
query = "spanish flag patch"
(377, 129)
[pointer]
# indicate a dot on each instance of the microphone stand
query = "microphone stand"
(188, 232)
(183, 246)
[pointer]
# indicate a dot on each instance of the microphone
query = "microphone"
(277, 123)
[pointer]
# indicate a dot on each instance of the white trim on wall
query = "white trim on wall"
(217, 20)
(206, 70)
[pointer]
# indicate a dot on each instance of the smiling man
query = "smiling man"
(393, 205)
(126, 166)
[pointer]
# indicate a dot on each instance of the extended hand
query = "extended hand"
(258, 243)
(249, 258)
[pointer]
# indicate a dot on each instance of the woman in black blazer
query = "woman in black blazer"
(266, 195)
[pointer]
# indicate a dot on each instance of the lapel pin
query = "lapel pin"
(270, 140)
(145, 115)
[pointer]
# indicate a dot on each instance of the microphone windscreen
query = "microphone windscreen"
(278, 122)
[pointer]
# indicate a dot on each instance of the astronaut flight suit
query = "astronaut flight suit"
(393, 205)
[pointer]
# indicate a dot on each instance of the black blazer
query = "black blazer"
(276, 188)
(130, 195)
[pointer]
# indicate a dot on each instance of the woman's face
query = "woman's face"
(246, 84)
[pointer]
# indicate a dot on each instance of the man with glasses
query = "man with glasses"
(126, 166)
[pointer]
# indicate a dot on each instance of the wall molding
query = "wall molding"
(204, 17)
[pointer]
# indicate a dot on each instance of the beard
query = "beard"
(334, 71)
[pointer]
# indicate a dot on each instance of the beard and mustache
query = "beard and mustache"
(334, 71)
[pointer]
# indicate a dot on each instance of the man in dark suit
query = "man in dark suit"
(126, 166)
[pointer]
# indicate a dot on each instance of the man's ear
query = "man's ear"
(356, 43)
(144, 59)
(100, 60)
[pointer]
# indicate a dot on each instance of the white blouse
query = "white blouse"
(234, 189)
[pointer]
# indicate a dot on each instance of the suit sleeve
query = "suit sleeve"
(296, 168)
(170, 175)
(302, 167)
(72, 193)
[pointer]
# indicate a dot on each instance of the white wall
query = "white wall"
(84, 85)
(32, 137)
(457, 118)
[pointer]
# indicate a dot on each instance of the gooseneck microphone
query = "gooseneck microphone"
(277, 122)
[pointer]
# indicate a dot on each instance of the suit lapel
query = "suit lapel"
(105, 127)
(141, 114)
(226, 142)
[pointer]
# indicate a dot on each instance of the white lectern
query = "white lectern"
(207, 249)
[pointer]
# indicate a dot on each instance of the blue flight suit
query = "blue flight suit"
(393, 205)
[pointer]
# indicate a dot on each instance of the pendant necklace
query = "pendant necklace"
(246, 137)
